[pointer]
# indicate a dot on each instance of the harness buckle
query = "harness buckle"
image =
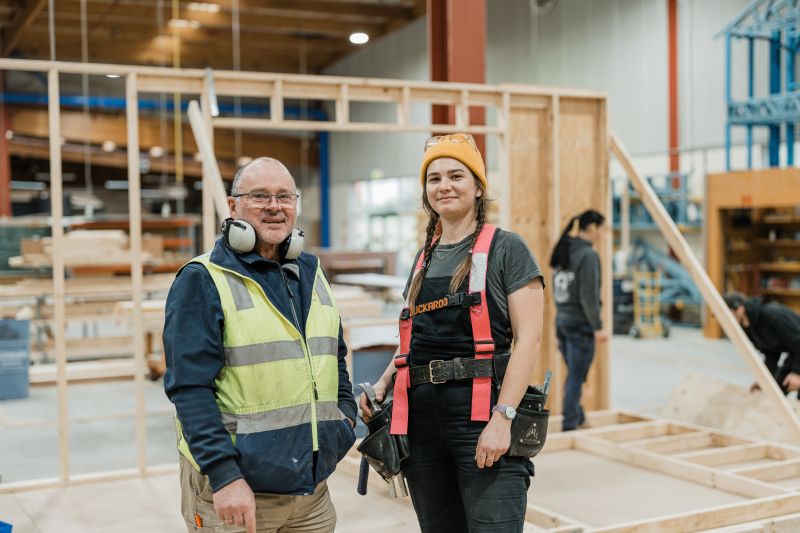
(484, 346)
(405, 314)
(431, 371)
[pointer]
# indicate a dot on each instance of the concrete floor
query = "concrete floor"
(643, 372)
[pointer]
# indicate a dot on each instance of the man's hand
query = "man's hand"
(792, 381)
(236, 505)
(494, 441)
(600, 335)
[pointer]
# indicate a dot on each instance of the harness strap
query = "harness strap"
(481, 326)
(481, 334)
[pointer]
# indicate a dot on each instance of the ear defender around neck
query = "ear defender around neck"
(239, 235)
(292, 246)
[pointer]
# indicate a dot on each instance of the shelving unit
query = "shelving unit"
(753, 237)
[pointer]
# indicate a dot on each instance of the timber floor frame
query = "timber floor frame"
(764, 476)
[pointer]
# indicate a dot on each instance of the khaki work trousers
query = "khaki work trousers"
(275, 513)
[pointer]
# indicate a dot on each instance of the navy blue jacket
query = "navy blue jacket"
(193, 346)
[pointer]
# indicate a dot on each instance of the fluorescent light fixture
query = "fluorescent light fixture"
(359, 38)
(112, 76)
(116, 185)
(18, 185)
(183, 24)
(207, 7)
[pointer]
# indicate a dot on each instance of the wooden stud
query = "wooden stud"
(771, 472)
(462, 111)
(667, 465)
(404, 107)
(135, 214)
(343, 105)
(209, 220)
(217, 189)
(257, 124)
(714, 517)
(727, 455)
(57, 210)
(712, 298)
(276, 102)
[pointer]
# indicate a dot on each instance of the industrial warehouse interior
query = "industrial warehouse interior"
(182, 182)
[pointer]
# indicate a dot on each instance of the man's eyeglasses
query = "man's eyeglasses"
(260, 199)
(451, 138)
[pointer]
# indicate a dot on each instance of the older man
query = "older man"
(256, 370)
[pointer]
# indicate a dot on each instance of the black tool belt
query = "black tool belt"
(439, 371)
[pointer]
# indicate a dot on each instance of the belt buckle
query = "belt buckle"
(430, 372)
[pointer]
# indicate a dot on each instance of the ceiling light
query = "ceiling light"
(108, 146)
(359, 38)
(183, 24)
(243, 160)
(112, 76)
(9, 135)
(208, 7)
(156, 151)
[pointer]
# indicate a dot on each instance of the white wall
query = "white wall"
(615, 46)
(355, 156)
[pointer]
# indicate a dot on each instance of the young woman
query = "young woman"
(459, 386)
(576, 290)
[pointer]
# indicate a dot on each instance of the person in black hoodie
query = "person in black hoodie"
(576, 291)
(773, 329)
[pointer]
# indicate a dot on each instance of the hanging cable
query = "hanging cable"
(88, 208)
(176, 100)
(305, 144)
(177, 112)
(162, 112)
(237, 65)
(51, 27)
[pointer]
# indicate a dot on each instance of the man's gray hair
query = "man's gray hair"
(239, 173)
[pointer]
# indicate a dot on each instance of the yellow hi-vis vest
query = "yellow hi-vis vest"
(273, 378)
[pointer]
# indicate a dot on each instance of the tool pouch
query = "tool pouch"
(529, 427)
(384, 451)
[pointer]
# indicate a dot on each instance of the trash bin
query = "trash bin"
(14, 359)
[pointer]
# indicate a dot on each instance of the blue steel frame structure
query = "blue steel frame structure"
(778, 23)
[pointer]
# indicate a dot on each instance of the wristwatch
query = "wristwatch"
(507, 411)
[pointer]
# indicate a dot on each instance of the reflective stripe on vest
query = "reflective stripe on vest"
(481, 335)
(270, 373)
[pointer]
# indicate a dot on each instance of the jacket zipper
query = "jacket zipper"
(309, 363)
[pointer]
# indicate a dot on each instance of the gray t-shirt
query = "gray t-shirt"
(511, 265)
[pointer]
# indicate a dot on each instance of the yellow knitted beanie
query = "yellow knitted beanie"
(466, 152)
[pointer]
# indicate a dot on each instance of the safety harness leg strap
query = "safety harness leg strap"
(481, 333)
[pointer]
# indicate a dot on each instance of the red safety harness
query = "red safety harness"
(481, 335)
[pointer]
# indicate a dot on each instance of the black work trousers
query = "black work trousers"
(449, 492)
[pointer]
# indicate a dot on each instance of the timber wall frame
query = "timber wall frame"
(552, 164)
(764, 474)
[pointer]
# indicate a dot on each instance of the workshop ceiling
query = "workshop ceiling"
(274, 35)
